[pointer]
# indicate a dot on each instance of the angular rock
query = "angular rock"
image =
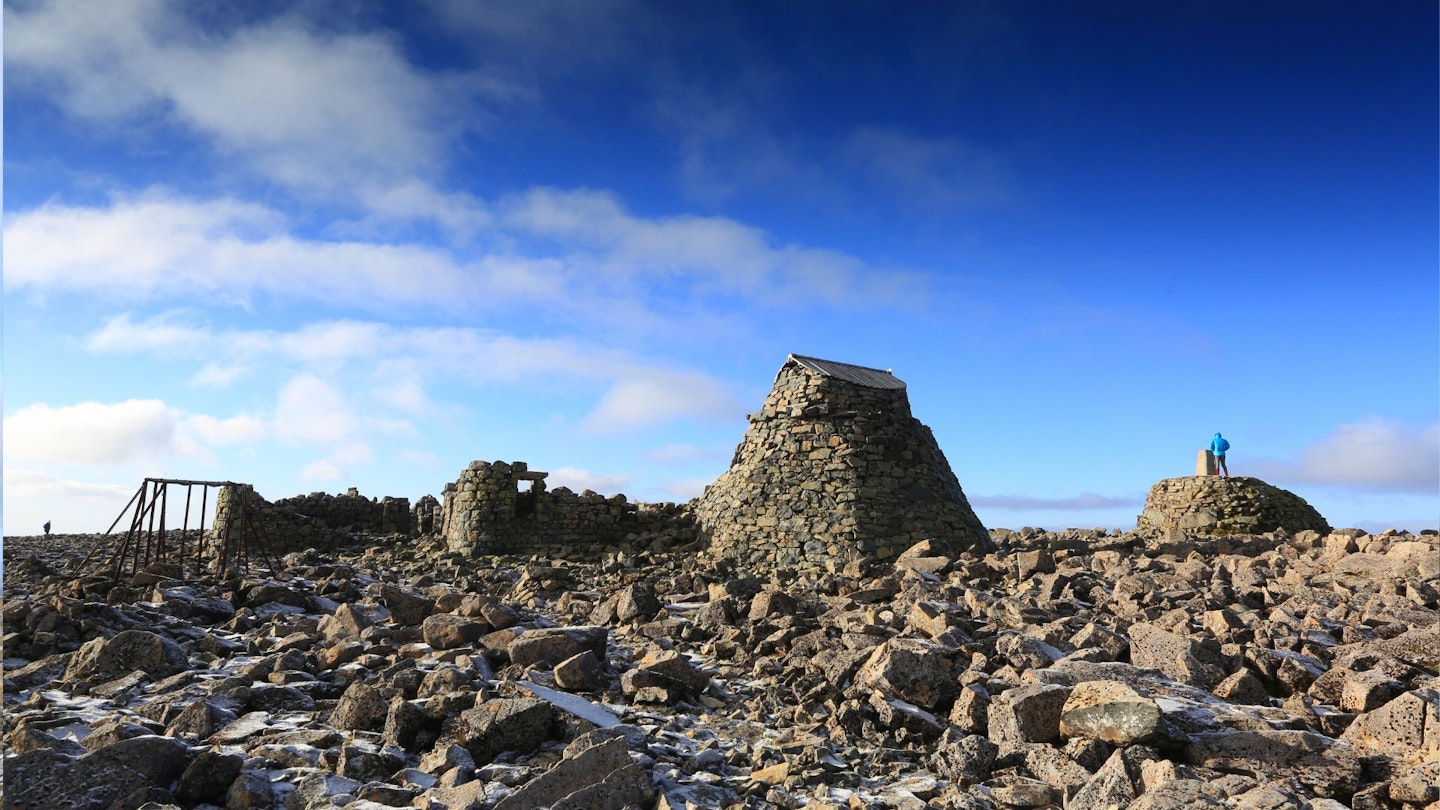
(499, 725)
(1173, 654)
(910, 669)
(1113, 712)
(1407, 729)
(446, 631)
(548, 646)
(582, 672)
(105, 659)
(407, 608)
(361, 708)
(1027, 714)
(1327, 766)
(964, 758)
(601, 777)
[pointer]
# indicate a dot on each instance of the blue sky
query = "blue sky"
(311, 248)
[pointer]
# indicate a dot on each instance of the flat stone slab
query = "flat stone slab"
(578, 706)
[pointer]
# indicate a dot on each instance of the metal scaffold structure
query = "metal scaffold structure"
(238, 534)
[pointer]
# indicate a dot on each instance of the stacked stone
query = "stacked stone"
(352, 512)
(485, 512)
(832, 470)
(427, 516)
(1227, 505)
(274, 526)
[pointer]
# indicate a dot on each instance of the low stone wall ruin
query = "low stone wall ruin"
(504, 508)
(352, 512)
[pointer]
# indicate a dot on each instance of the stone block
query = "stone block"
(1205, 463)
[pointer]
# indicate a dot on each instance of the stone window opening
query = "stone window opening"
(524, 498)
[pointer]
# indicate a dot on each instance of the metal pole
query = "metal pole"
(200, 546)
(185, 528)
(150, 533)
(99, 541)
(160, 553)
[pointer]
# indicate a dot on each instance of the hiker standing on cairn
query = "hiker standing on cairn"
(1218, 446)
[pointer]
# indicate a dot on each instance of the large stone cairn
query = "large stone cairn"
(1217, 505)
(834, 468)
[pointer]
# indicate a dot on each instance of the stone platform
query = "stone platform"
(1208, 504)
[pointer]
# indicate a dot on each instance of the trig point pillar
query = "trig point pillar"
(1205, 463)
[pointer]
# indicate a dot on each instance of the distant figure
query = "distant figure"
(47, 528)
(1218, 446)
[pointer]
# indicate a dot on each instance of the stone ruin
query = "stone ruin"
(1215, 505)
(835, 468)
(505, 508)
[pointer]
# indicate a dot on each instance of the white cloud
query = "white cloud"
(311, 109)
(159, 334)
(1083, 501)
(686, 489)
(926, 173)
(580, 480)
(321, 470)
(157, 245)
(241, 429)
(401, 360)
(25, 483)
(649, 398)
(1374, 455)
(136, 430)
(710, 254)
(216, 375)
(310, 410)
(681, 453)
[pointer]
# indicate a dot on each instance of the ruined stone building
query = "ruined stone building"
(834, 467)
(505, 508)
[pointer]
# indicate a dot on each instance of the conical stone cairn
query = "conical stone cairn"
(835, 468)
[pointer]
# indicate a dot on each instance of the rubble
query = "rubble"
(1087, 669)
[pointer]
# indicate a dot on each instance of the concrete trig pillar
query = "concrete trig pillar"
(1205, 463)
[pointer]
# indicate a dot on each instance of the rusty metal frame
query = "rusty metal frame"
(146, 543)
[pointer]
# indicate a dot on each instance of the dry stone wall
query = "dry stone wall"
(270, 525)
(832, 470)
(1226, 505)
(352, 512)
(504, 508)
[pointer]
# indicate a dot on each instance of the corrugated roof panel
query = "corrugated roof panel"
(860, 375)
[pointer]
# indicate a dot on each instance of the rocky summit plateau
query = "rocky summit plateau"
(1080, 669)
(829, 626)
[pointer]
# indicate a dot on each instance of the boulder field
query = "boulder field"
(1078, 669)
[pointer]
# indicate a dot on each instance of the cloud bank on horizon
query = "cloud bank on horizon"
(312, 249)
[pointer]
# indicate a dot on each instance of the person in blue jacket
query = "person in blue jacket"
(1218, 446)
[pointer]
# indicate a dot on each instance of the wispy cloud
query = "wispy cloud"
(682, 453)
(586, 258)
(1377, 455)
(311, 109)
(929, 173)
(26, 483)
(647, 399)
(579, 480)
(157, 245)
(334, 363)
(1083, 501)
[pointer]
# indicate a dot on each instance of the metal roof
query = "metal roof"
(860, 375)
